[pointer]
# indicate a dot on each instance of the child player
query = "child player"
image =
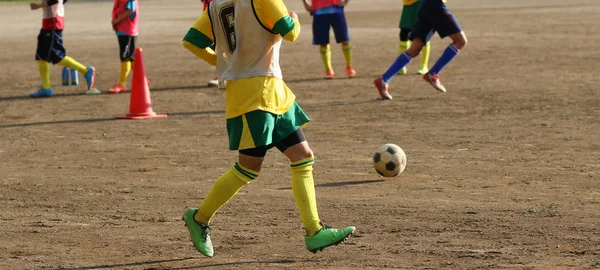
(50, 48)
(434, 16)
(260, 109)
(410, 14)
(326, 14)
(125, 16)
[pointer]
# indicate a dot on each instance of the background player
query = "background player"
(125, 16)
(330, 14)
(410, 15)
(261, 110)
(434, 16)
(50, 48)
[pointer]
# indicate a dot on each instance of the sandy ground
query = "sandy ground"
(502, 170)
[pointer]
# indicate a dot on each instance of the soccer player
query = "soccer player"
(260, 109)
(410, 15)
(330, 14)
(50, 48)
(434, 16)
(125, 16)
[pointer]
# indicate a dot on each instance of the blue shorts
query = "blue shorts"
(434, 16)
(322, 23)
(50, 46)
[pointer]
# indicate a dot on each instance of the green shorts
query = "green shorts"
(410, 15)
(260, 128)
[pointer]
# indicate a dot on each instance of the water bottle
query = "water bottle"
(74, 77)
(65, 76)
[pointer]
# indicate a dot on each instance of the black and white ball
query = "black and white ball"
(389, 160)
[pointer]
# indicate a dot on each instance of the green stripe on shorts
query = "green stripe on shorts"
(410, 15)
(265, 128)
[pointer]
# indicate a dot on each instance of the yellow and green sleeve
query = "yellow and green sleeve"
(199, 39)
(274, 15)
(409, 2)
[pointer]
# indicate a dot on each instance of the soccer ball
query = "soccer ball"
(389, 160)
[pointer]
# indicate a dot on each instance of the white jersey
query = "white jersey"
(244, 47)
(56, 10)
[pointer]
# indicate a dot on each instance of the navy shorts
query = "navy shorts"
(434, 16)
(322, 23)
(50, 46)
(126, 47)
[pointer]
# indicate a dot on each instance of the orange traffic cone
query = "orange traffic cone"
(140, 105)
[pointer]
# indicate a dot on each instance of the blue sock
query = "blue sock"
(446, 57)
(401, 61)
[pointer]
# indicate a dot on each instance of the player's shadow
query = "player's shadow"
(95, 120)
(147, 263)
(339, 184)
(64, 95)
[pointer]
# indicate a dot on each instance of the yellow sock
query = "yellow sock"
(425, 55)
(125, 69)
(326, 57)
(347, 50)
(303, 187)
(222, 191)
(44, 68)
(404, 45)
(72, 64)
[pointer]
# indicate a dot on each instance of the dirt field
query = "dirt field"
(502, 170)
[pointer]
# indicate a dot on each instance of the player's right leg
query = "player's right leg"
(245, 134)
(126, 55)
(321, 25)
(295, 147)
(403, 46)
(42, 56)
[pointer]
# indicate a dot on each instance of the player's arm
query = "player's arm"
(342, 3)
(307, 6)
(275, 16)
(199, 39)
(35, 6)
(129, 9)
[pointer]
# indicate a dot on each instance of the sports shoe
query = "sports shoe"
(423, 70)
(90, 77)
(383, 88)
(434, 80)
(199, 233)
(214, 82)
(41, 93)
(351, 72)
(329, 74)
(117, 88)
(403, 71)
(327, 237)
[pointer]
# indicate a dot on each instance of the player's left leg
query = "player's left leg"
(295, 147)
(446, 25)
(340, 30)
(403, 46)
(43, 57)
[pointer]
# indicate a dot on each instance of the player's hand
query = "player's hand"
(341, 3)
(34, 6)
(293, 15)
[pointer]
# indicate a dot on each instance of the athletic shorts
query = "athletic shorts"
(410, 15)
(126, 47)
(434, 18)
(322, 23)
(50, 46)
(260, 128)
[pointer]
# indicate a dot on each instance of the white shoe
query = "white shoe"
(214, 82)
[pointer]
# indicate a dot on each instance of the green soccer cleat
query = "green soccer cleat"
(327, 237)
(403, 71)
(423, 70)
(200, 234)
